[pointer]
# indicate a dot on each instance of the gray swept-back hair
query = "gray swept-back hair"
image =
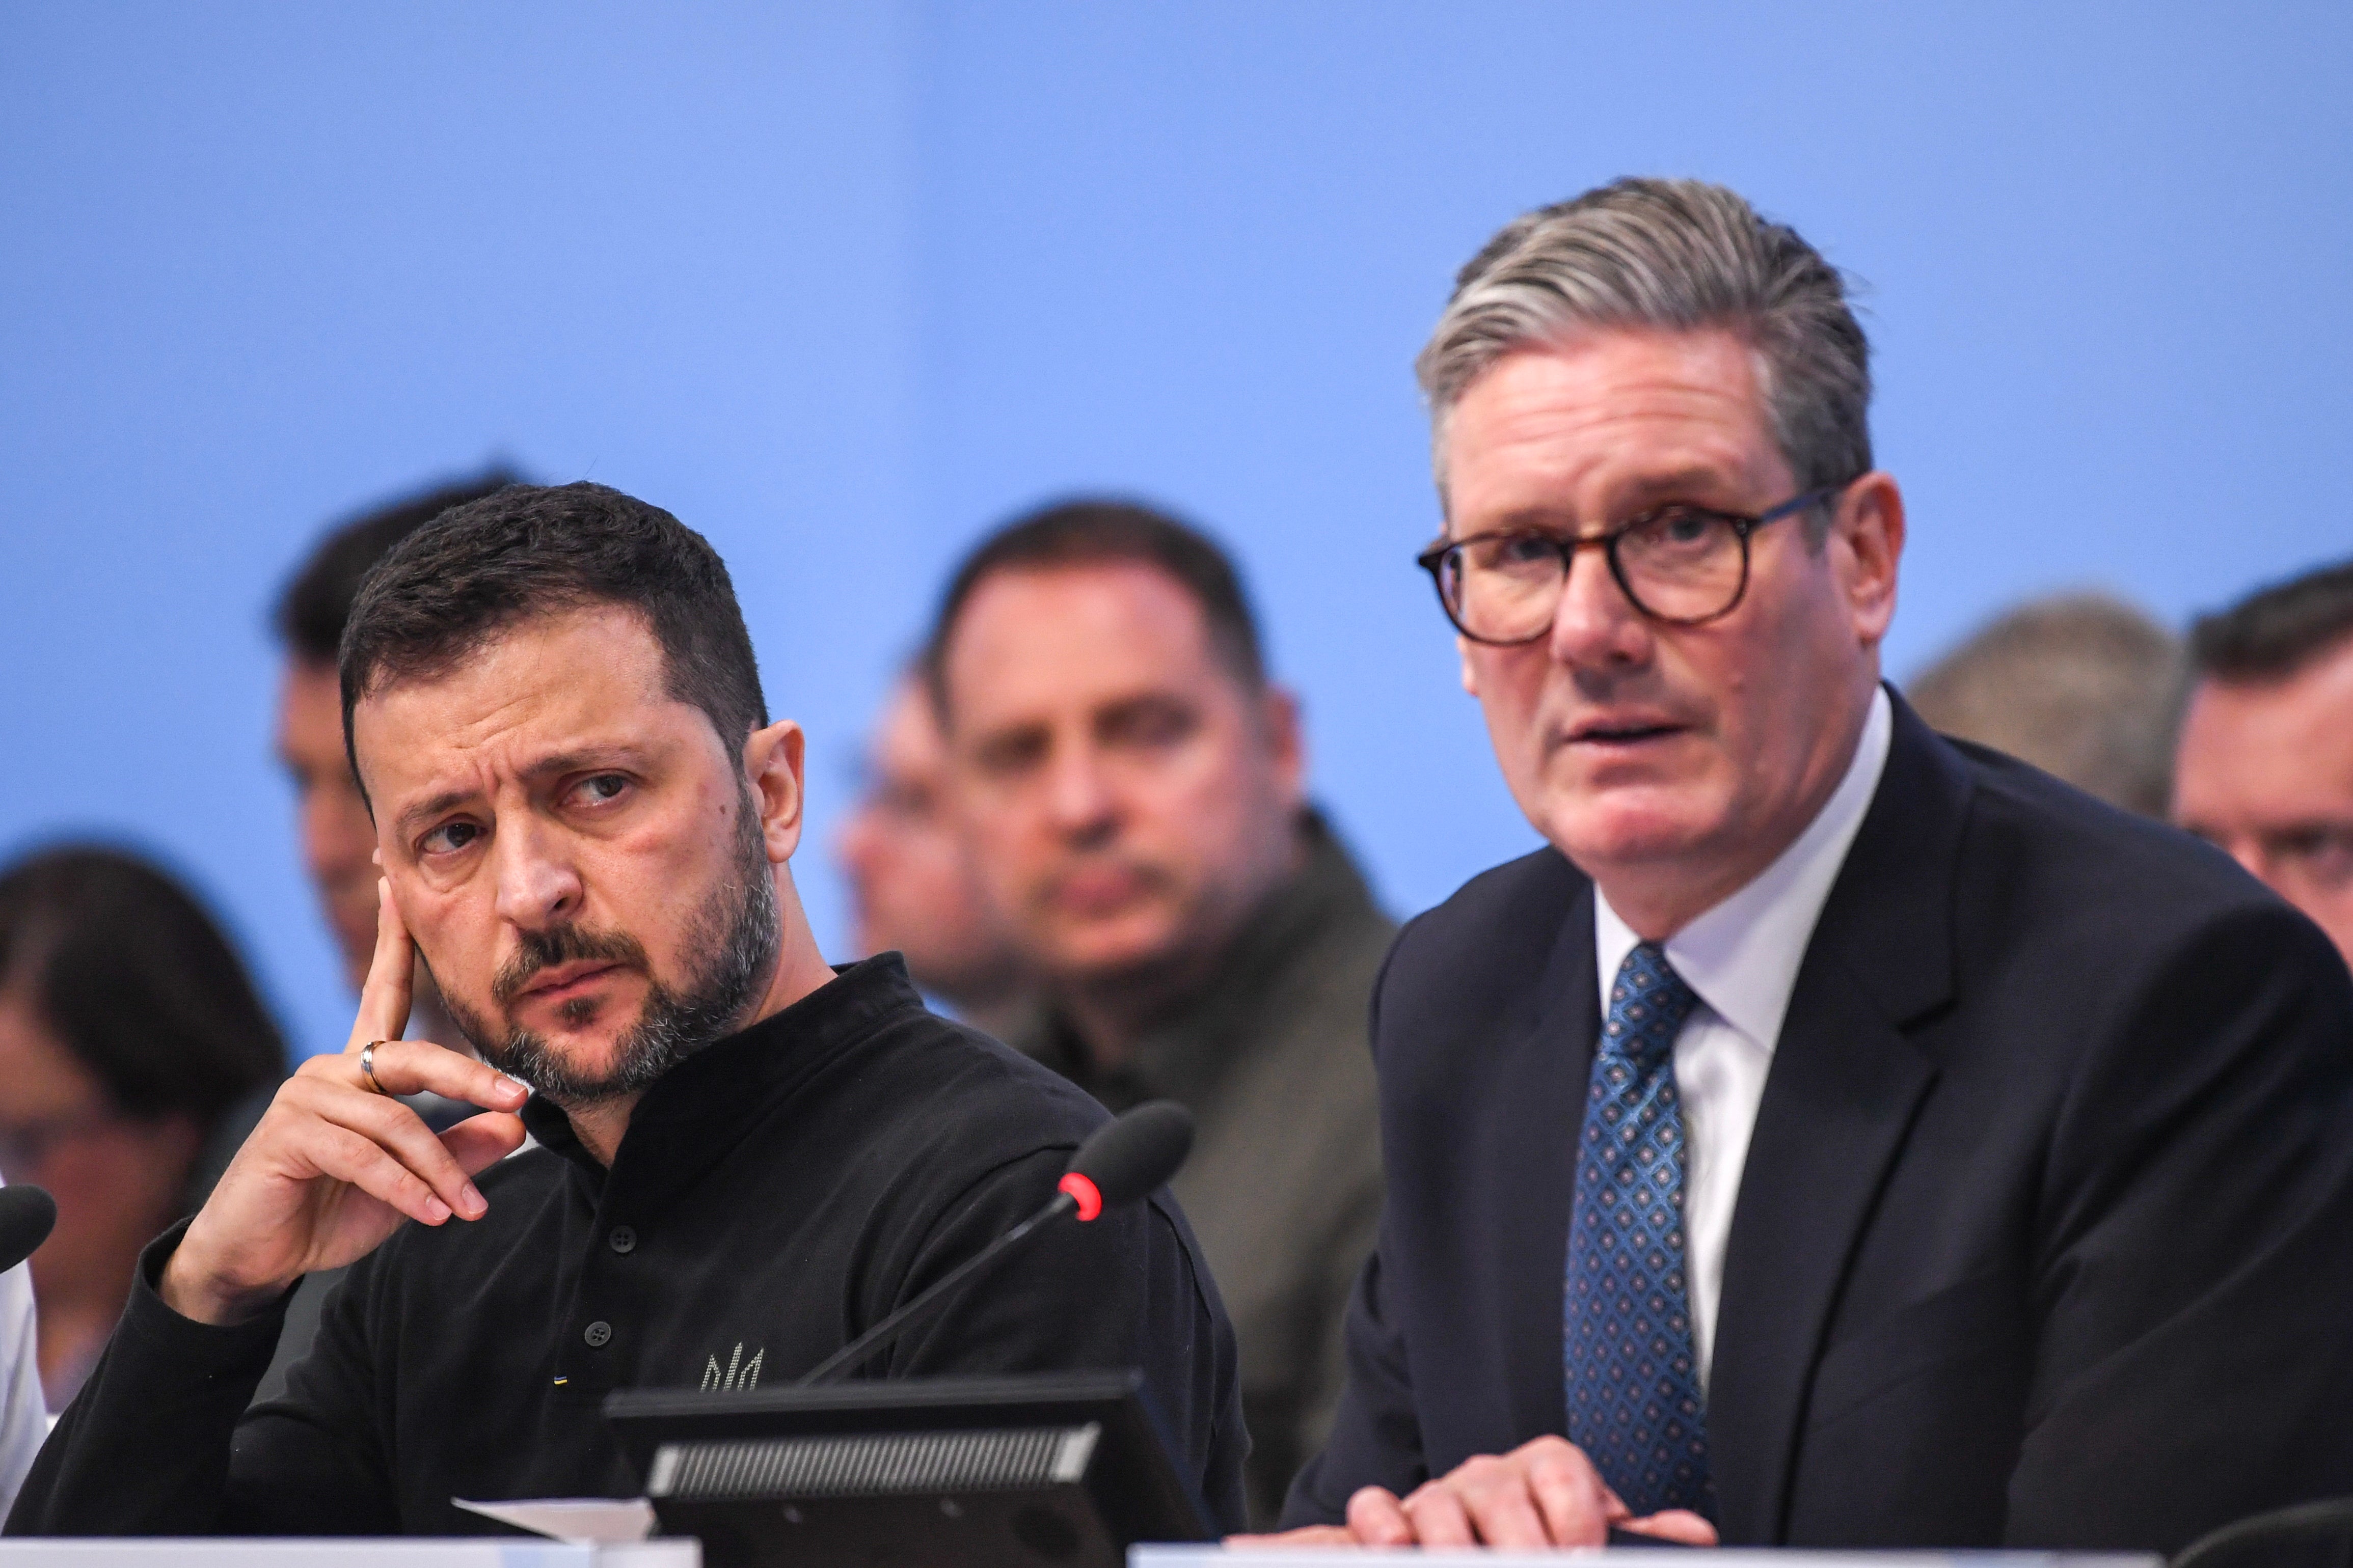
(1667, 255)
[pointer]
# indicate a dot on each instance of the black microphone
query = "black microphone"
(27, 1216)
(1125, 1159)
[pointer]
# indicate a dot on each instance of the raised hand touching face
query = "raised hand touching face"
(336, 1163)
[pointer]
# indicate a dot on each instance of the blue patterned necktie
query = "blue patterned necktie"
(1634, 1400)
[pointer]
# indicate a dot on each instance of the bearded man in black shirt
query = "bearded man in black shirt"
(583, 818)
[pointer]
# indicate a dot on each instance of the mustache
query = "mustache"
(546, 949)
(1150, 873)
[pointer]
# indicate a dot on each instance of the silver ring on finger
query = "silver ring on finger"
(367, 1066)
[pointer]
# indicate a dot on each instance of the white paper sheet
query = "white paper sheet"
(596, 1520)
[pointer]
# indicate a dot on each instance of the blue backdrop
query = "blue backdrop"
(842, 285)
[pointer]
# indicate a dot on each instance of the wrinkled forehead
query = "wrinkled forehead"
(1614, 410)
(2281, 741)
(548, 684)
(1031, 640)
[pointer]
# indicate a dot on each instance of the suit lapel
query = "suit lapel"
(1839, 1101)
(1547, 1063)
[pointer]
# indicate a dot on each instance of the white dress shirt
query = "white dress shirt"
(1741, 958)
(23, 1417)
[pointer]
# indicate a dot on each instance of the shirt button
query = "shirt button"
(598, 1333)
(622, 1239)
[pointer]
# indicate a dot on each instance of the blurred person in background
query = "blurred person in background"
(1132, 785)
(911, 884)
(338, 839)
(2264, 767)
(2083, 685)
(130, 1035)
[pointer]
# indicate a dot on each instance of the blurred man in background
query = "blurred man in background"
(2265, 764)
(130, 1036)
(338, 839)
(337, 833)
(911, 884)
(2083, 685)
(1132, 788)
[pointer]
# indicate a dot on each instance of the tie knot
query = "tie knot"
(1648, 1004)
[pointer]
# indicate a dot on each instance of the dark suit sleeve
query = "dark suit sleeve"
(1343, 1266)
(1376, 1438)
(160, 1442)
(1375, 1435)
(2194, 1364)
(1125, 1289)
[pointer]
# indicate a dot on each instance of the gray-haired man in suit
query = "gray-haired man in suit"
(1837, 1136)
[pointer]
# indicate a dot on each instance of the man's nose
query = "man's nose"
(1079, 798)
(537, 884)
(2255, 855)
(1595, 626)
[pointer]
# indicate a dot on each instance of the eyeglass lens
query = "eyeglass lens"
(1679, 565)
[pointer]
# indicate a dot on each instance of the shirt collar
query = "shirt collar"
(1742, 956)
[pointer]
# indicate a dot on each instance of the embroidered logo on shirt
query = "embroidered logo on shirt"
(740, 1374)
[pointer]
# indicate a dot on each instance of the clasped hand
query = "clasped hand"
(336, 1163)
(1542, 1494)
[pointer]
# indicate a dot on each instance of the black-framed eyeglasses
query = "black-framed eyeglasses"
(1685, 565)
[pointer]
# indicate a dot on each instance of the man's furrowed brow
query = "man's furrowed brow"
(1655, 489)
(578, 760)
(585, 759)
(1630, 497)
(431, 806)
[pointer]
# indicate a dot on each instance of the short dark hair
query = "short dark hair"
(316, 602)
(1097, 533)
(125, 967)
(530, 550)
(2276, 631)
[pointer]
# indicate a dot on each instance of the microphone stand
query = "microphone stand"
(925, 1307)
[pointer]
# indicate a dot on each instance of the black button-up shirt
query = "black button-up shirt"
(774, 1197)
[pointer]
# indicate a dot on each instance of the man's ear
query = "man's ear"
(1867, 546)
(773, 761)
(1286, 743)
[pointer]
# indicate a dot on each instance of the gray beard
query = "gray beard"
(730, 953)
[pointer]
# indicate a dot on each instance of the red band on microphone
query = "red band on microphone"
(1090, 1197)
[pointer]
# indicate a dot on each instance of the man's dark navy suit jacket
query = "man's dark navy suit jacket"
(2046, 1235)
